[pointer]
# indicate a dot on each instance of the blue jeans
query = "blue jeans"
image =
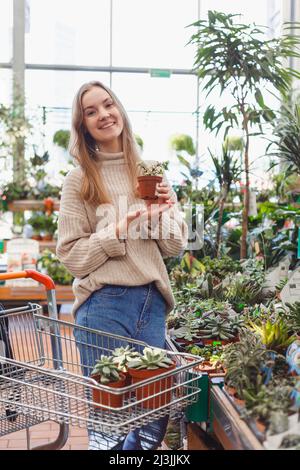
(134, 312)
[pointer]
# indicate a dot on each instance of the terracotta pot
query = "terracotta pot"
(153, 388)
(47, 237)
(222, 342)
(36, 237)
(101, 397)
(147, 186)
(206, 366)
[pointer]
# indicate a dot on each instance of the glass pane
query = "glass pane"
(143, 92)
(158, 108)
(254, 11)
(57, 88)
(6, 22)
(74, 33)
(153, 33)
(5, 86)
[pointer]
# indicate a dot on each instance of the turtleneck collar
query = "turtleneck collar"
(108, 158)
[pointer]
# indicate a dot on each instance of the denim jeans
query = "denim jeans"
(134, 312)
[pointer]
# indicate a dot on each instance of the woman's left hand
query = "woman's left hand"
(164, 193)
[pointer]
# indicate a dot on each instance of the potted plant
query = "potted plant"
(151, 173)
(274, 334)
(106, 372)
(153, 362)
(121, 357)
(244, 362)
(50, 264)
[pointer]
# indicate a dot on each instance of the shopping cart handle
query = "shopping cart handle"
(42, 278)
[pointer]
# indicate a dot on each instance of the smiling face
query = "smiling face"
(102, 119)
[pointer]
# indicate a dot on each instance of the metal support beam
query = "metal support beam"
(18, 65)
(93, 68)
(18, 62)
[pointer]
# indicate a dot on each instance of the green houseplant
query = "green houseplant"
(238, 59)
(106, 372)
(49, 262)
(150, 174)
(153, 362)
(61, 138)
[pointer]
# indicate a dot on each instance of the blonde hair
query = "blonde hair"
(82, 147)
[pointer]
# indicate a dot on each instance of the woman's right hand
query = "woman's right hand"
(122, 225)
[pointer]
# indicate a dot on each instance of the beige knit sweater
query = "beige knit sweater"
(87, 242)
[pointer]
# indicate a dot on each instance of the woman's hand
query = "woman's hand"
(164, 193)
(122, 225)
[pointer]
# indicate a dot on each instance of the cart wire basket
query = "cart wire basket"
(45, 374)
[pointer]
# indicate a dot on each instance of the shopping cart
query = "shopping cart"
(45, 374)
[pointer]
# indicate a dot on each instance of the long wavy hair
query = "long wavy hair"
(82, 147)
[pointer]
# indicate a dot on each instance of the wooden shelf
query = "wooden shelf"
(64, 294)
(30, 205)
(51, 245)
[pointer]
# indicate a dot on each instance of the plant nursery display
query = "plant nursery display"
(237, 294)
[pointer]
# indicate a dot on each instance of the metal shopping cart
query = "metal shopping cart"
(45, 368)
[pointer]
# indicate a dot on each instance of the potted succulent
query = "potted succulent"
(121, 357)
(212, 357)
(153, 362)
(186, 333)
(150, 174)
(106, 372)
(215, 328)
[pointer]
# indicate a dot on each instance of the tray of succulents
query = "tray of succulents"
(56, 370)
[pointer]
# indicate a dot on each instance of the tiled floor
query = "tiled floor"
(42, 434)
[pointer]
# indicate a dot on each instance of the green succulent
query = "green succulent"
(123, 355)
(151, 359)
(189, 326)
(244, 361)
(107, 369)
(268, 401)
(216, 327)
(273, 334)
(153, 168)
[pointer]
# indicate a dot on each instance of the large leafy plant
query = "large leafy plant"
(239, 59)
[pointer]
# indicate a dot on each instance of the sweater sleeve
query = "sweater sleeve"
(172, 233)
(78, 248)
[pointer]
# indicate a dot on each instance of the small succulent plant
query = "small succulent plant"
(274, 334)
(123, 355)
(243, 361)
(152, 168)
(152, 358)
(216, 327)
(107, 369)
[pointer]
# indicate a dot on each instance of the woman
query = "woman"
(121, 283)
